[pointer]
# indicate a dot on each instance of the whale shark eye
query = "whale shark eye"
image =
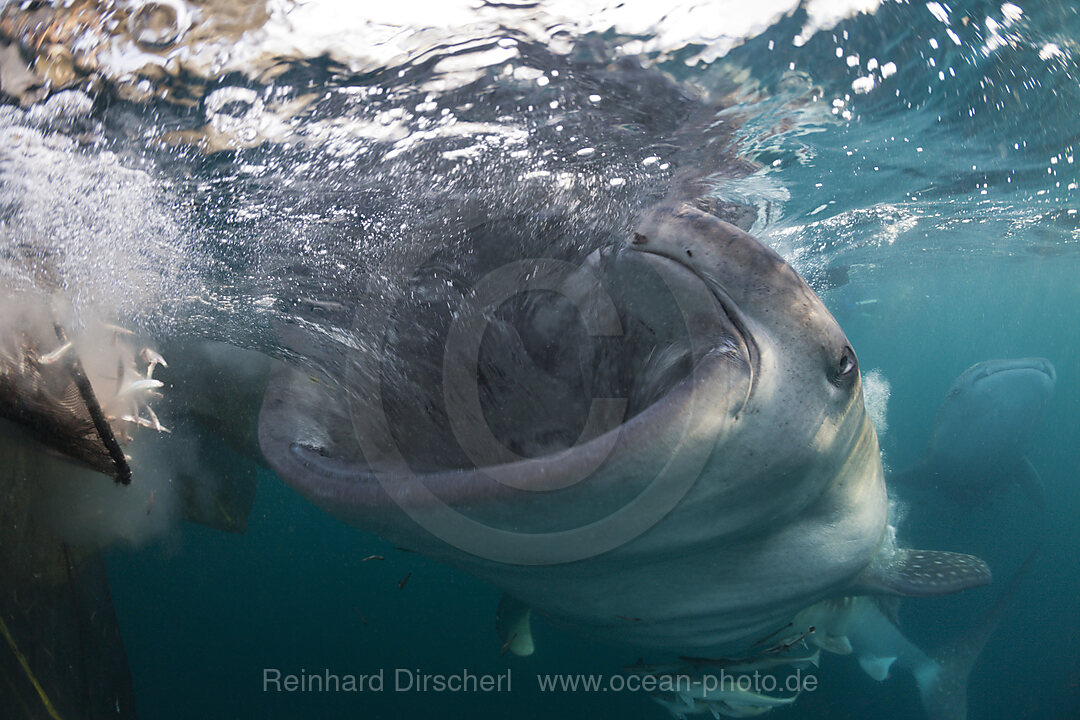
(847, 363)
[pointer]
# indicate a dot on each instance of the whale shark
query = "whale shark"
(665, 446)
(983, 429)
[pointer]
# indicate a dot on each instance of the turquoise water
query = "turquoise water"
(934, 210)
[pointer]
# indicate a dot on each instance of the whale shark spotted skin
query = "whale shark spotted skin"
(741, 484)
(983, 429)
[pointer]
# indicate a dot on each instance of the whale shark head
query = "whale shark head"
(992, 412)
(804, 403)
(804, 367)
(665, 445)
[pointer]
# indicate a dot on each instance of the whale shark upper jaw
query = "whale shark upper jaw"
(989, 368)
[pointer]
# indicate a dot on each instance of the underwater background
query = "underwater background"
(914, 161)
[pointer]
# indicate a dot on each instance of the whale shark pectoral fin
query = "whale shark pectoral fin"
(513, 623)
(876, 667)
(922, 573)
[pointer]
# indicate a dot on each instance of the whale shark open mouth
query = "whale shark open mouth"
(732, 317)
(593, 364)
